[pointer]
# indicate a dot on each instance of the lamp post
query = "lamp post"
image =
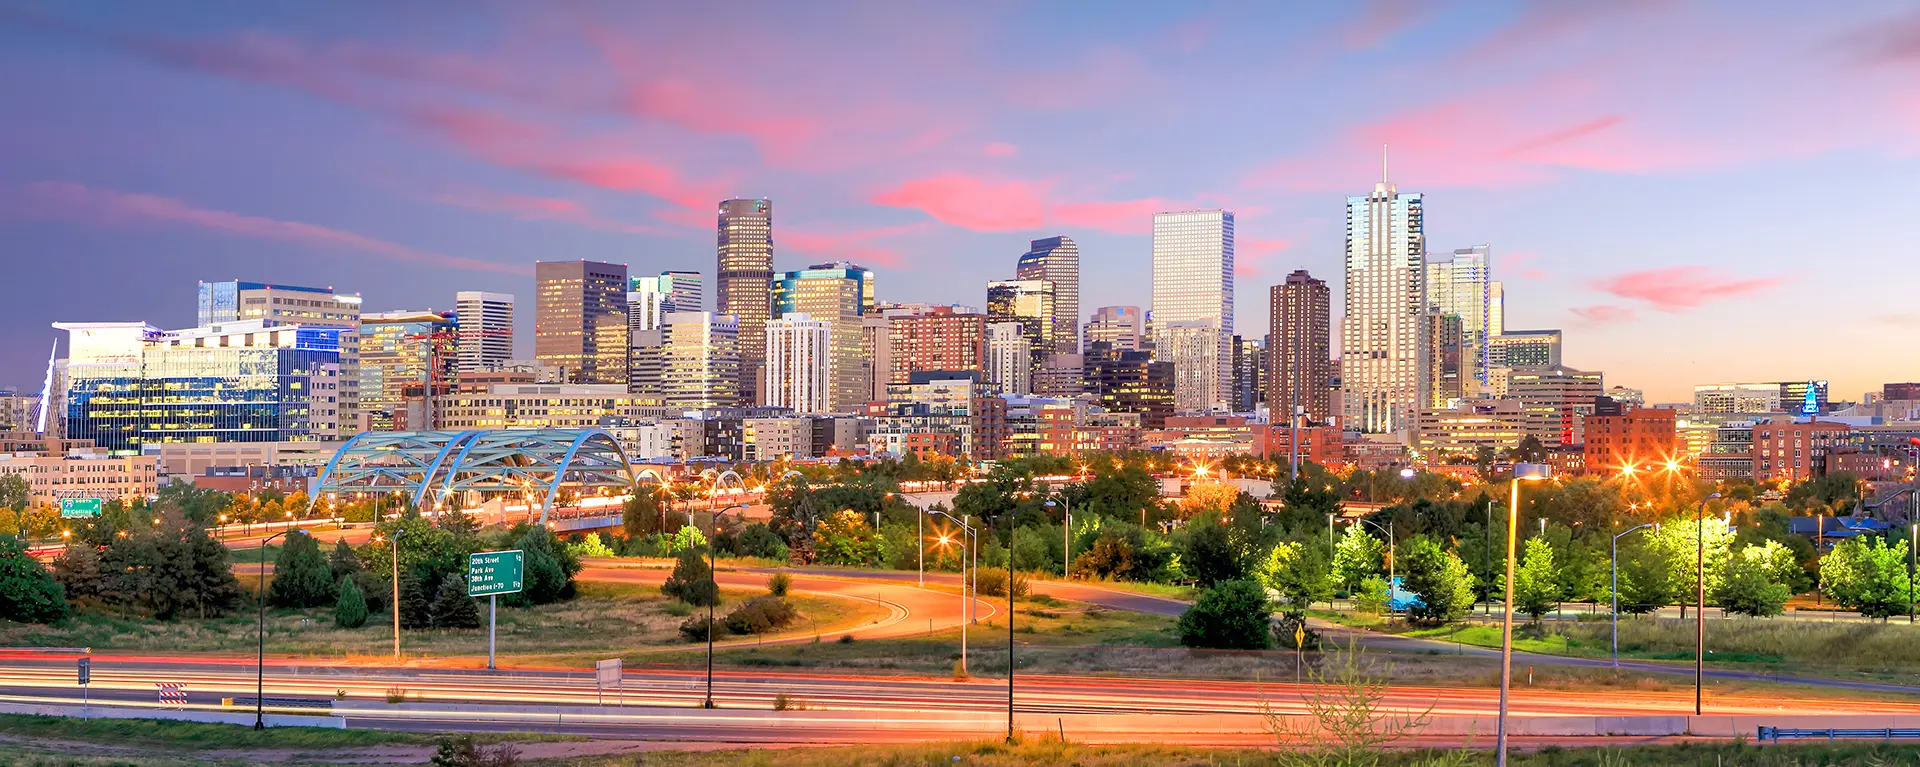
(713, 581)
(260, 656)
(1010, 528)
(396, 593)
(966, 601)
(1912, 559)
(1616, 590)
(1700, 603)
(1391, 586)
(1486, 557)
(1522, 472)
(1066, 537)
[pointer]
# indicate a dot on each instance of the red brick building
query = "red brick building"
(938, 340)
(1792, 451)
(1641, 438)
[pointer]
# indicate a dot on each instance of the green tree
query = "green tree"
(301, 575)
(1440, 578)
(1867, 575)
(170, 567)
(1233, 615)
(1646, 580)
(350, 608)
(28, 593)
(1748, 588)
(845, 538)
(758, 540)
(1775, 559)
(692, 580)
(452, 608)
(641, 516)
(1680, 542)
(549, 570)
(1355, 558)
(1209, 554)
(1536, 586)
(77, 569)
(15, 496)
(1371, 596)
(1299, 574)
(343, 562)
(416, 609)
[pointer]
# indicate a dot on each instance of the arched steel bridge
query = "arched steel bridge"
(433, 465)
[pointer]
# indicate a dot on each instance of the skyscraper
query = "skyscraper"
(1381, 346)
(1057, 260)
(745, 287)
(580, 319)
(1032, 305)
(1249, 374)
(398, 349)
(1299, 341)
(1118, 326)
(1009, 357)
(1459, 285)
(235, 301)
(700, 360)
(485, 329)
(1496, 309)
(938, 339)
(649, 298)
(839, 294)
(1193, 304)
(800, 363)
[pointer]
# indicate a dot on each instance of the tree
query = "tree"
(1204, 499)
(1209, 554)
(1299, 574)
(15, 496)
(1371, 596)
(1867, 575)
(1775, 559)
(302, 576)
(548, 575)
(1110, 556)
(416, 609)
(1355, 557)
(1530, 450)
(1749, 589)
(760, 615)
(1681, 541)
(640, 516)
(691, 581)
(78, 571)
(845, 538)
(343, 563)
(1536, 588)
(758, 540)
(350, 608)
(28, 593)
(171, 567)
(452, 608)
(1646, 580)
(1440, 578)
(1233, 615)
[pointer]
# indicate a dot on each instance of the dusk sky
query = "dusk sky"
(1693, 192)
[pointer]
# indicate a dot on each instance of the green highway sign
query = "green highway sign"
(72, 508)
(492, 573)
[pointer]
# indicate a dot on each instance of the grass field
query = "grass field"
(605, 619)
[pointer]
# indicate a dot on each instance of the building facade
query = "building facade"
(1300, 340)
(541, 406)
(1029, 304)
(800, 363)
(1558, 400)
(485, 329)
(1472, 426)
(1639, 437)
(745, 285)
(1120, 327)
(398, 349)
(1057, 261)
(1123, 381)
(1784, 449)
(84, 473)
(1381, 342)
(1524, 349)
(1459, 284)
(234, 301)
(700, 364)
(1009, 358)
(580, 319)
(938, 339)
(1193, 305)
(842, 295)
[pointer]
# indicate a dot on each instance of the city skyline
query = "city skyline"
(1577, 193)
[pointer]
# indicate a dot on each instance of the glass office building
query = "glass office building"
(1382, 339)
(1193, 304)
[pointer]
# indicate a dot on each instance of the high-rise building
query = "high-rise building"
(1804, 398)
(129, 384)
(1496, 311)
(1900, 391)
(485, 329)
(940, 339)
(1193, 305)
(800, 363)
(1557, 400)
(1118, 326)
(1029, 304)
(1010, 357)
(580, 319)
(1524, 349)
(648, 298)
(1736, 398)
(1057, 260)
(1448, 369)
(1249, 374)
(1459, 284)
(398, 349)
(1129, 381)
(700, 361)
(840, 294)
(233, 301)
(745, 287)
(1381, 343)
(1299, 340)
(685, 290)
(876, 350)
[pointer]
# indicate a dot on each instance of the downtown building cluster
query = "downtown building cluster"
(812, 363)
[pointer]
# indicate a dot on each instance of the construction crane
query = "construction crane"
(441, 344)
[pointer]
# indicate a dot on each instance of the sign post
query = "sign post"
(490, 574)
(1299, 644)
(86, 692)
(79, 508)
(607, 673)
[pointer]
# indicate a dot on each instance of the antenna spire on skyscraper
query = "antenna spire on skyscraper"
(1383, 165)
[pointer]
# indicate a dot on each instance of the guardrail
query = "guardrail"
(282, 705)
(1774, 734)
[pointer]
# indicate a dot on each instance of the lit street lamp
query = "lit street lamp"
(713, 581)
(1391, 586)
(1522, 472)
(1066, 537)
(260, 657)
(969, 609)
(1700, 606)
(1616, 590)
(966, 601)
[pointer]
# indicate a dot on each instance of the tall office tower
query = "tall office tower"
(1010, 357)
(876, 351)
(1458, 285)
(1249, 367)
(1380, 337)
(700, 360)
(1447, 369)
(840, 294)
(939, 339)
(1029, 303)
(485, 329)
(398, 349)
(649, 298)
(1496, 310)
(1299, 339)
(1057, 260)
(1524, 349)
(235, 301)
(685, 290)
(1557, 400)
(128, 384)
(1130, 381)
(1118, 326)
(646, 354)
(580, 319)
(800, 363)
(1193, 304)
(745, 288)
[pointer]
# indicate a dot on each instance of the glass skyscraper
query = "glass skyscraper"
(745, 255)
(1193, 305)
(580, 319)
(398, 349)
(1382, 345)
(1031, 304)
(841, 295)
(1461, 285)
(1057, 260)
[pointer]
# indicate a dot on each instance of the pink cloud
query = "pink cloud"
(1001, 149)
(1681, 288)
(538, 209)
(972, 203)
(1119, 217)
(61, 200)
(855, 246)
(1382, 21)
(1603, 314)
(1249, 253)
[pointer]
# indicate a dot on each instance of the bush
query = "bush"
(548, 579)
(78, 571)
(758, 540)
(993, 582)
(452, 608)
(779, 583)
(350, 608)
(1111, 556)
(28, 592)
(302, 577)
(761, 615)
(1233, 615)
(1371, 597)
(692, 580)
(464, 751)
(591, 546)
(697, 628)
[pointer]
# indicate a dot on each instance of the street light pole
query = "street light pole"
(396, 592)
(1486, 557)
(1066, 537)
(1010, 529)
(1528, 472)
(1912, 559)
(713, 581)
(1700, 603)
(260, 657)
(966, 601)
(1616, 591)
(1391, 586)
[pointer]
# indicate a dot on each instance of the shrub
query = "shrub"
(679, 609)
(761, 615)
(350, 608)
(1111, 556)
(464, 751)
(452, 608)
(692, 580)
(28, 592)
(1233, 615)
(590, 546)
(698, 628)
(785, 702)
(758, 540)
(779, 583)
(993, 582)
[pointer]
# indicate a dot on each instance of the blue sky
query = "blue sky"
(1694, 192)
